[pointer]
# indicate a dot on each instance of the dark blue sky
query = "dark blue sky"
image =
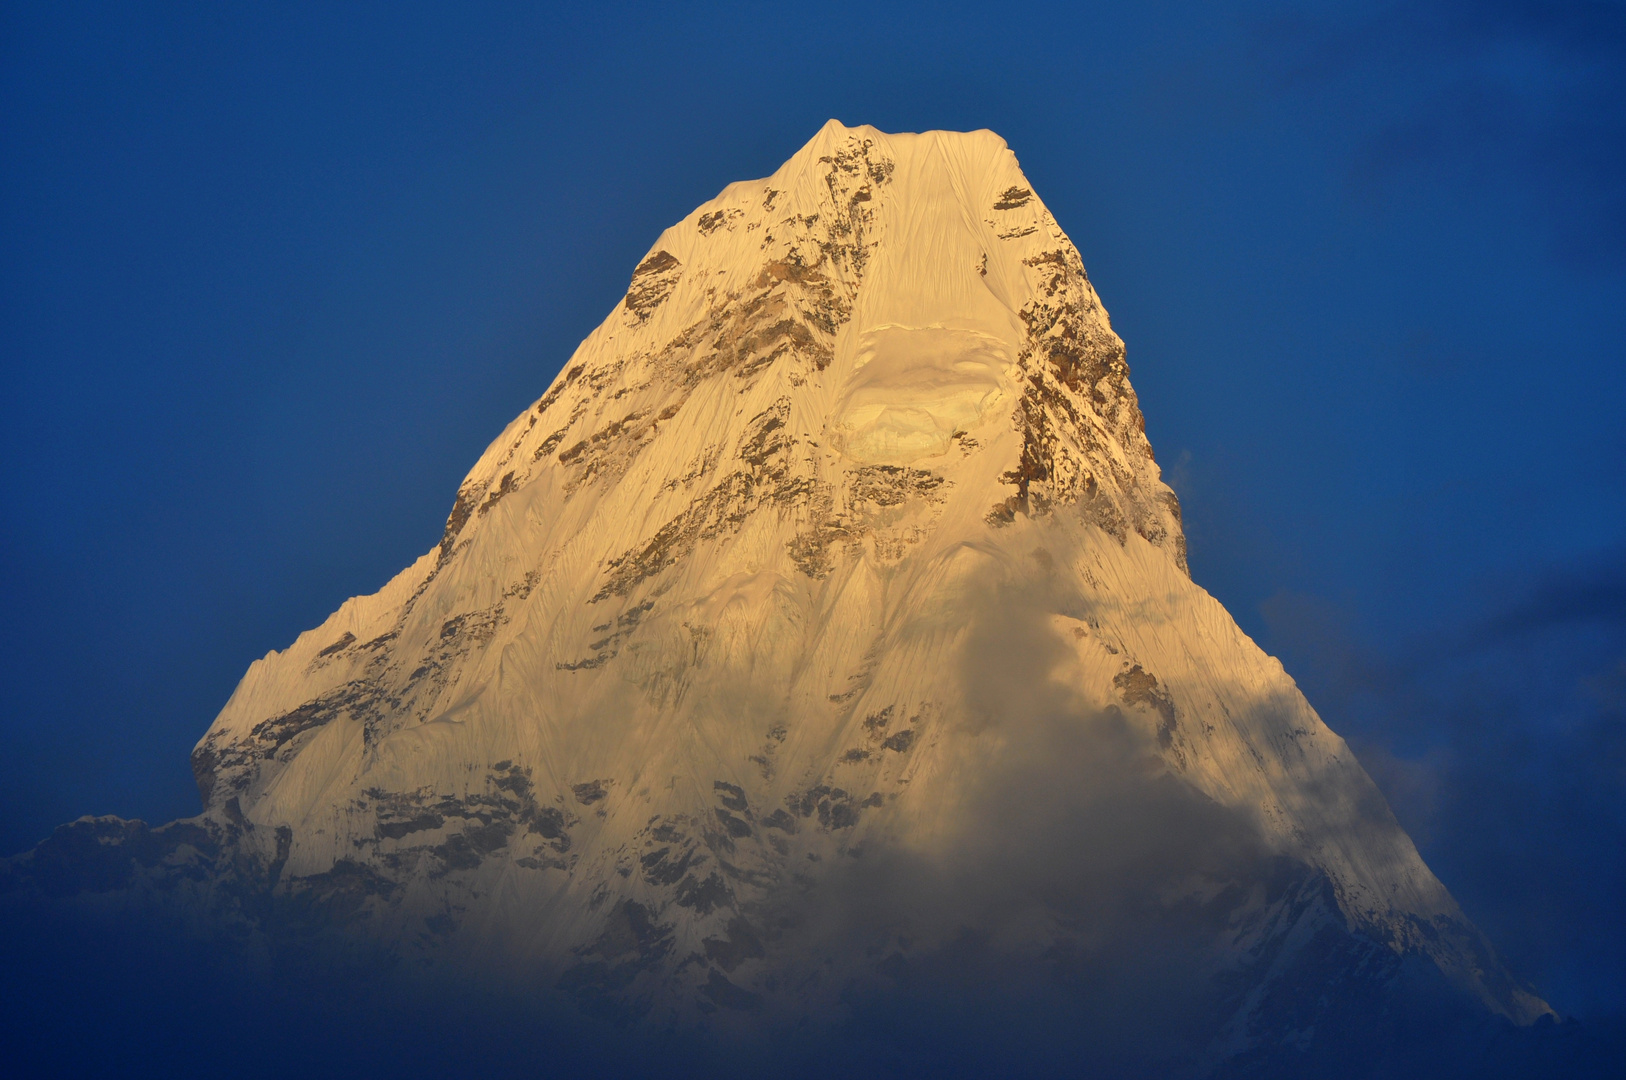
(273, 278)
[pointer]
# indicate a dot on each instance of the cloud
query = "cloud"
(1501, 745)
(1065, 909)
(1564, 597)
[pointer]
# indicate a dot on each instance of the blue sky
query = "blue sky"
(272, 278)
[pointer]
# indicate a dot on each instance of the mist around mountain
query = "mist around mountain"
(810, 680)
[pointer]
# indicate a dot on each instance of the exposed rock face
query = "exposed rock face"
(834, 565)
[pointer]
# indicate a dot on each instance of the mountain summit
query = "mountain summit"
(827, 619)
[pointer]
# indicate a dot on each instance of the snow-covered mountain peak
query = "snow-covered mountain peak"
(838, 545)
(881, 298)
